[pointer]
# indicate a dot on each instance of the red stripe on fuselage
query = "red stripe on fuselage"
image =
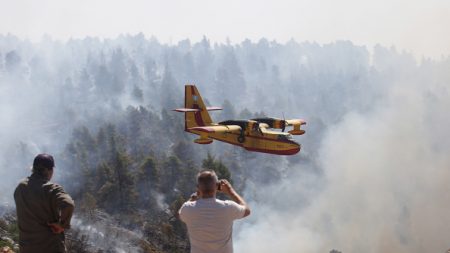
(275, 152)
(262, 150)
(197, 115)
(265, 138)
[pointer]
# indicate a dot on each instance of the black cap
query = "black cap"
(44, 161)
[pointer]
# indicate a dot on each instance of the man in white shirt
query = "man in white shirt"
(209, 220)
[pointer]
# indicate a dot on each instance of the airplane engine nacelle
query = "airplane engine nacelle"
(203, 140)
(272, 122)
(278, 123)
(297, 130)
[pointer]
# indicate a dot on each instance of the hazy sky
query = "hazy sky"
(413, 25)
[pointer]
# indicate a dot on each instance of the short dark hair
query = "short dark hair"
(43, 162)
(207, 180)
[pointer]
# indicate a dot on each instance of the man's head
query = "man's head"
(43, 165)
(207, 183)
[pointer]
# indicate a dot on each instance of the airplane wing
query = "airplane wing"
(296, 123)
(293, 122)
(217, 129)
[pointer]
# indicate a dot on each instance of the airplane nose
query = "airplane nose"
(298, 147)
(295, 148)
(294, 143)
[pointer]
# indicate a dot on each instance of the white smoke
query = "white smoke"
(383, 168)
(385, 186)
(103, 233)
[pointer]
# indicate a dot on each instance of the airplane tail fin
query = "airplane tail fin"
(195, 112)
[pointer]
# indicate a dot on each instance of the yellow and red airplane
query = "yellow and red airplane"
(253, 135)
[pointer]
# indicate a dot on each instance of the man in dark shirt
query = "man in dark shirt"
(43, 209)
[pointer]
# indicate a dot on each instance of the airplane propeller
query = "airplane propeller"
(283, 124)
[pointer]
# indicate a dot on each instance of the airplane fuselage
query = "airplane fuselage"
(251, 134)
(267, 142)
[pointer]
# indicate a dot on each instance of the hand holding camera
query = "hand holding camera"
(224, 186)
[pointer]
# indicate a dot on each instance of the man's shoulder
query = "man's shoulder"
(202, 203)
(229, 203)
(53, 187)
(216, 202)
(224, 204)
(186, 208)
(24, 181)
(189, 203)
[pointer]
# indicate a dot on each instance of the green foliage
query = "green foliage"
(184, 151)
(147, 181)
(117, 171)
(210, 163)
(149, 173)
(171, 174)
(12, 231)
(123, 181)
(186, 182)
(88, 204)
(4, 243)
(177, 226)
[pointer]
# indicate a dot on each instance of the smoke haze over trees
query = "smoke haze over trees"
(371, 177)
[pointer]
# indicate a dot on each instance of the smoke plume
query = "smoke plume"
(385, 185)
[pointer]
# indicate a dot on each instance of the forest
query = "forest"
(103, 108)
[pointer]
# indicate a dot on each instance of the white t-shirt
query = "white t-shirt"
(210, 224)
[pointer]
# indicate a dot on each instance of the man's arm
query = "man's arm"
(226, 188)
(64, 203)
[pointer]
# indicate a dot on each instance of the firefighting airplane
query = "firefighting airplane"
(252, 135)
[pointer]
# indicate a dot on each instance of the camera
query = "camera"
(218, 185)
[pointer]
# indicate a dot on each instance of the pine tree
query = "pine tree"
(210, 163)
(171, 173)
(169, 93)
(228, 110)
(106, 187)
(148, 181)
(119, 72)
(184, 151)
(124, 180)
(186, 183)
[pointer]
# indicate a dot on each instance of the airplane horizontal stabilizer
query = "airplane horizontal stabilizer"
(216, 129)
(213, 108)
(291, 122)
(186, 110)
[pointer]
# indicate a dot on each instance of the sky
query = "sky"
(419, 27)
